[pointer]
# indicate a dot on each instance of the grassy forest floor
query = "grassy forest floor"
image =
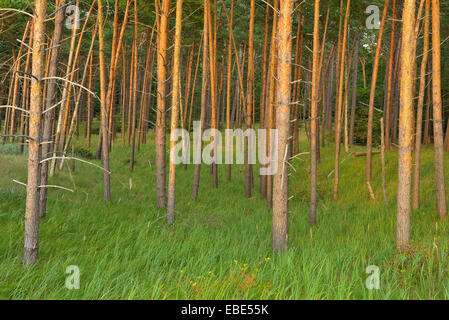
(220, 245)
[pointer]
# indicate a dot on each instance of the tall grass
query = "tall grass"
(220, 245)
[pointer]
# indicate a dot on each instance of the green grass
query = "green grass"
(220, 245)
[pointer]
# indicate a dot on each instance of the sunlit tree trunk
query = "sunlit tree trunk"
(134, 95)
(369, 143)
(104, 120)
(249, 103)
(174, 114)
(390, 79)
(160, 110)
(280, 197)
(405, 127)
(270, 108)
(340, 104)
(419, 116)
(228, 91)
(314, 144)
(31, 247)
(437, 111)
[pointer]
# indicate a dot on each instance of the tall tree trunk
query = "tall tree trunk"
(369, 143)
(174, 114)
(160, 110)
(437, 112)
(354, 91)
(204, 85)
(49, 102)
(314, 144)
(249, 103)
(340, 104)
(31, 247)
(228, 92)
(134, 95)
(263, 93)
(419, 117)
(405, 127)
(390, 79)
(271, 101)
(104, 115)
(280, 197)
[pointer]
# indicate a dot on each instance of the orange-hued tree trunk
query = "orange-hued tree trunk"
(437, 112)
(338, 115)
(161, 196)
(134, 93)
(115, 56)
(104, 115)
(48, 117)
(213, 86)
(270, 108)
(249, 103)
(354, 90)
(419, 116)
(66, 109)
(15, 94)
(204, 85)
(314, 144)
(390, 79)
(369, 142)
(228, 90)
(78, 99)
(263, 92)
(280, 197)
(405, 127)
(174, 114)
(31, 247)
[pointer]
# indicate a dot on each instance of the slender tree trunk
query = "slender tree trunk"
(390, 79)
(228, 92)
(314, 145)
(249, 104)
(419, 117)
(174, 114)
(354, 91)
(204, 85)
(340, 104)
(160, 112)
(31, 247)
(263, 94)
(405, 128)
(271, 101)
(280, 197)
(437, 112)
(104, 115)
(134, 95)
(369, 143)
(50, 99)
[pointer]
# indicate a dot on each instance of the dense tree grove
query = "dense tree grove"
(362, 79)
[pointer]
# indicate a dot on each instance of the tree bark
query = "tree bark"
(174, 114)
(280, 197)
(405, 128)
(31, 247)
(419, 116)
(437, 112)
(161, 95)
(104, 115)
